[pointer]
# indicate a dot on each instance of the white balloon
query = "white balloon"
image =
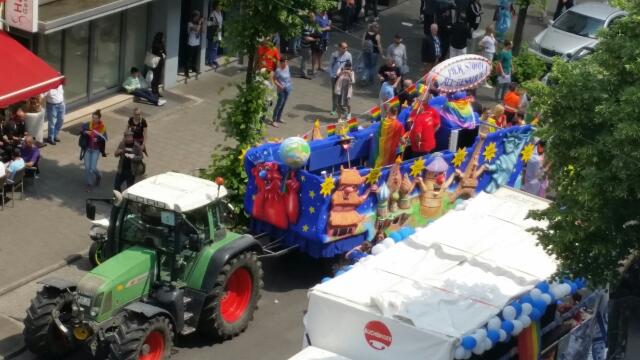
(503, 335)
(467, 355)
(377, 249)
(517, 327)
(479, 349)
(526, 308)
(460, 353)
(547, 298)
(566, 289)
(481, 334)
(509, 312)
(556, 291)
(535, 293)
(494, 323)
(525, 320)
(487, 344)
(388, 242)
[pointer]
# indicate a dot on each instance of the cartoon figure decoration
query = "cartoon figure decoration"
(383, 201)
(394, 182)
(272, 204)
(468, 180)
(405, 190)
(504, 165)
(344, 219)
(433, 187)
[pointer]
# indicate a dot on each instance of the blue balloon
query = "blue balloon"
(507, 326)
(468, 342)
(526, 299)
(404, 232)
(535, 314)
(411, 230)
(325, 279)
(438, 102)
(574, 288)
(340, 272)
(516, 305)
(395, 236)
(540, 305)
(543, 286)
(493, 335)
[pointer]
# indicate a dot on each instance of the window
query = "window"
(199, 218)
(76, 67)
(50, 49)
(105, 55)
(147, 225)
(579, 24)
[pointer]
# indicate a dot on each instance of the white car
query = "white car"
(576, 29)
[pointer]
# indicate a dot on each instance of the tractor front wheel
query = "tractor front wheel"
(96, 253)
(41, 335)
(234, 299)
(138, 338)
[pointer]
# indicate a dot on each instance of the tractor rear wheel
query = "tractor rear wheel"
(96, 253)
(229, 309)
(41, 335)
(139, 338)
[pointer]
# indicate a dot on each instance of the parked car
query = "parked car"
(574, 30)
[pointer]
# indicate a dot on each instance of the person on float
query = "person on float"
(422, 134)
(391, 138)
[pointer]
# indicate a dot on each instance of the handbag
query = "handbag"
(151, 60)
(504, 79)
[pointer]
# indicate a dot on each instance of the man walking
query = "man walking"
(431, 48)
(338, 59)
(55, 113)
(308, 38)
(130, 154)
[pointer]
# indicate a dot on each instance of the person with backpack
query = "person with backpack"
(344, 91)
(338, 59)
(371, 51)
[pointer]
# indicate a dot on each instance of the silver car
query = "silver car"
(576, 29)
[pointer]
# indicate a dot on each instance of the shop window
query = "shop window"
(75, 69)
(105, 55)
(50, 49)
(136, 45)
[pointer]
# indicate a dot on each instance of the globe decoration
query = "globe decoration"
(294, 152)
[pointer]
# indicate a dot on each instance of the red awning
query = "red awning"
(23, 74)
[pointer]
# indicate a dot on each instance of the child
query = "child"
(344, 90)
(497, 119)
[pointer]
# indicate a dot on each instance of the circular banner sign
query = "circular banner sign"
(460, 73)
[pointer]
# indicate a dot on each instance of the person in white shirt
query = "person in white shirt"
(194, 29)
(55, 113)
(3, 169)
(214, 36)
(398, 52)
(488, 46)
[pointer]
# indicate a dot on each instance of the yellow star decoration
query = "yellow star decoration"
(243, 153)
(417, 167)
(489, 151)
(327, 186)
(305, 228)
(312, 194)
(458, 159)
(312, 210)
(373, 176)
(527, 152)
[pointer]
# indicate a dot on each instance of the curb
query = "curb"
(40, 273)
(15, 347)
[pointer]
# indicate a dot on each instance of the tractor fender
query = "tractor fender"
(149, 311)
(58, 284)
(223, 255)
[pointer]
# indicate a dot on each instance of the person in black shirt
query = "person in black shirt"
(445, 23)
(138, 126)
(387, 68)
(130, 154)
(158, 49)
(460, 35)
(308, 38)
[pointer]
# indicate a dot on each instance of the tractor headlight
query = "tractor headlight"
(82, 332)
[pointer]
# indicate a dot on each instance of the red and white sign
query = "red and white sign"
(377, 335)
(22, 14)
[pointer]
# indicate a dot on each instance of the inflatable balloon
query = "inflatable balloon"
(468, 342)
(479, 349)
(438, 102)
(493, 335)
(507, 326)
(535, 314)
(556, 291)
(526, 299)
(574, 288)
(526, 309)
(487, 344)
(459, 353)
(508, 313)
(325, 279)
(540, 305)
(517, 328)
(525, 320)
(481, 334)
(546, 298)
(503, 335)
(395, 236)
(535, 294)
(518, 307)
(378, 249)
(543, 286)
(388, 242)
(494, 323)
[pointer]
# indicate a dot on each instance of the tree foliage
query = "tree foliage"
(592, 133)
(529, 67)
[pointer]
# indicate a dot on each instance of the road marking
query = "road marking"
(407, 24)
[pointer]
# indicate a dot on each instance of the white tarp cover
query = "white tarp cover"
(440, 284)
(314, 353)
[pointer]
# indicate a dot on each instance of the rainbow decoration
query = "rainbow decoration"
(529, 343)
(331, 129)
(459, 111)
(375, 113)
(422, 89)
(353, 124)
(385, 150)
(412, 89)
(394, 102)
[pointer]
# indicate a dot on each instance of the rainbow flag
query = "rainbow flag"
(375, 113)
(393, 102)
(385, 149)
(353, 124)
(412, 89)
(529, 342)
(331, 129)
(459, 112)
(422, 89)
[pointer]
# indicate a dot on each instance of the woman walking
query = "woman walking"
(282, 80)
(158, 49)
(96, 138)
(344, 91)
(371, 51)
(138, 127)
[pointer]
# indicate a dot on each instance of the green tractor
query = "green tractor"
(170, 267)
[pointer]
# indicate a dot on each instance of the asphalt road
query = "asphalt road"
(179, 133)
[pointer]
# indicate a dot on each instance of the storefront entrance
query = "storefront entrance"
(96, 56)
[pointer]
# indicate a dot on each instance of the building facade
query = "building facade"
(94, 43)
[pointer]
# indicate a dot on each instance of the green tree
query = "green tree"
(592, 131)
(241, 119)
(523, 8)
